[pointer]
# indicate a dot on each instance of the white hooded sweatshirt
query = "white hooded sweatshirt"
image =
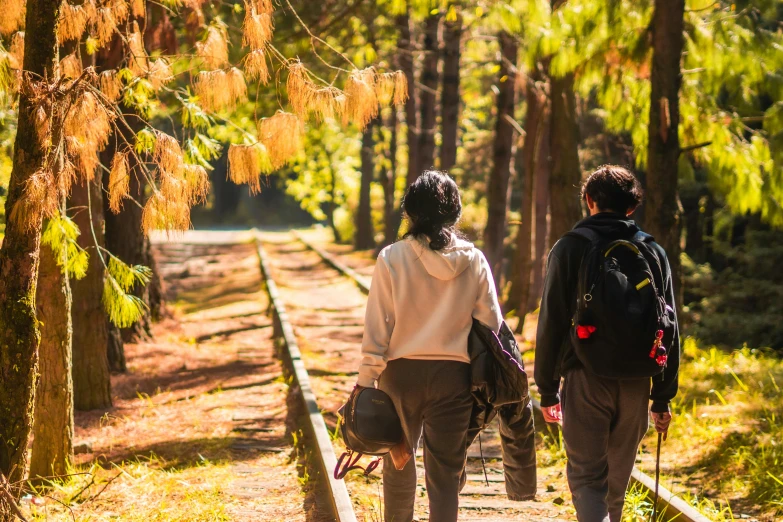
(422, 302)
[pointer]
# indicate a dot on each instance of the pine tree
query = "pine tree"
(450, 98)
(498, 185)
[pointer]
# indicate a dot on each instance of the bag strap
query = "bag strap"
(351, 459)
(652, 258)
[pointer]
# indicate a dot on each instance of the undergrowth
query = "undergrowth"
(725, 439)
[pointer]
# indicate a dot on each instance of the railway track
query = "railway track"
(318, 307)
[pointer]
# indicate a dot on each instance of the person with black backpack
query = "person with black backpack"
(607, 326)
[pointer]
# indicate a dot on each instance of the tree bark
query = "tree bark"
(91, 377)
(543, 166)
(19, 335)
(662, 217)
(566, 173)
(452, 35)
(535, 158)
(364, 229)
(428, 95)
(498, 186)
(405, 63)
(388, 181)
(52, 453)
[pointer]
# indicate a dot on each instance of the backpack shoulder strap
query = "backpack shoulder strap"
(651, 255)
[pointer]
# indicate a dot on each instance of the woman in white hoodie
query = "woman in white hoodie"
(425, 292)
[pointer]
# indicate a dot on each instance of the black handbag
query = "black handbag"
(370, 426)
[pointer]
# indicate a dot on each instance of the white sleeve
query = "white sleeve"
(378, 325)
(487, 309)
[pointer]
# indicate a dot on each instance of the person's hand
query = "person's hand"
(662, 421)
(553, 414)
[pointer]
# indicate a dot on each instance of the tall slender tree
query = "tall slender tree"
(91, 377)
(498, 186)
(428, 93)
(389, 181)
(364, 229)
(52, 452)
(19, 334)
(450, 106)
(405, 48)
(662, 216)
(566, 173)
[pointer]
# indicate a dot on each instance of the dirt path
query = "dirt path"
(327, 311)
(200, 427)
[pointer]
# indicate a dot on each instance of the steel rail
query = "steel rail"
(341, 501)
(675, 508)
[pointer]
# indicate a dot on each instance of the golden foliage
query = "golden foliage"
(197, 180)
(119, 181)
(281, 136)
(220, 89)
(162, 214)
(306, 97)
(361, 104)
(263, 6)
(138, 9)
(105, 25)
(110, 84)
(214, 49)
(73, 21)
(168, 154)
(12, 18)
(160, 73)
(43, 125)
(87, 129)
(257, 28)
(391, 88)
(246, 163)
(39, 199)
(256, 67)
(16, 51)
(137, 62)
(70, 66)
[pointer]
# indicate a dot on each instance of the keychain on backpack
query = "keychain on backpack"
(658, 351)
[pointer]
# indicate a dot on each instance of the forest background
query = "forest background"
(181, 104)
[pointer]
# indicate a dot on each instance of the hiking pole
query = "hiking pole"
(657, 477)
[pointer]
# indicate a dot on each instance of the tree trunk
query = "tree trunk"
(535, 158)
(498, 186)
(541, 245)
(388, 181)
(452, 34)
(364, 229)
(52, 453)
(566, 173)
(331, 206)
(91, 377)
(662, 217)
(405, 63)
(428, 95)
(19, 335)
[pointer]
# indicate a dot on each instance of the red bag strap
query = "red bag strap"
(342, 468)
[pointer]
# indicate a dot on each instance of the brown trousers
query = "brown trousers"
(434, 403)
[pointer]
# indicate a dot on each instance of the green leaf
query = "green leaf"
(145, 141)
(60, 235)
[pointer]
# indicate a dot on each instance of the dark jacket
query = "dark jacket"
(500, 389)
(554, 354)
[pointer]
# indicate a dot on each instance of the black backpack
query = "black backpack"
(622, 326)
(370, 426)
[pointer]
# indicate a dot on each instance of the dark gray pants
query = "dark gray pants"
(604, 421)
(433, 400)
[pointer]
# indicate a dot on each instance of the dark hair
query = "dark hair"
(613, 188)
(433, 207)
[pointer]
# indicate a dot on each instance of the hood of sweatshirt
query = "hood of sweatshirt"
(610, 225)
(445, 264)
